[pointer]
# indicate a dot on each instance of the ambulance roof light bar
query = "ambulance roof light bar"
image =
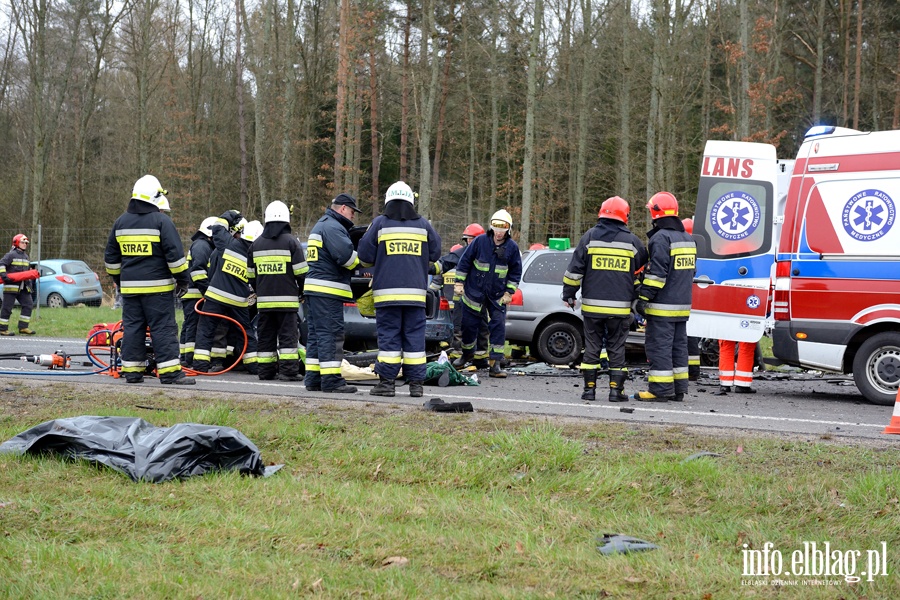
(820, 130)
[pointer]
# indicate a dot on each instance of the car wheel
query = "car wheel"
(559, 343)
(876, 368)
(54, 300)
(709, 352)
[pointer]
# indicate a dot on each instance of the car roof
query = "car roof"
(59, 261)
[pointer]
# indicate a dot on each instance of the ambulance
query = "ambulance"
(806, 249)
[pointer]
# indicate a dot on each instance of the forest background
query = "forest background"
(544, 107)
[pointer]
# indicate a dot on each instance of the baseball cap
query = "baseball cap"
(346, 200)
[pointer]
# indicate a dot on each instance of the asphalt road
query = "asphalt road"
(805, 403)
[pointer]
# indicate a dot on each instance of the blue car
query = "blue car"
(65, 282)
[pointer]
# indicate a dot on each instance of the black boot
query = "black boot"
(385, 388)
(464, 359)
(495, 370)
(722, 391)
(590, 385)
(415, 389)
(617, 387)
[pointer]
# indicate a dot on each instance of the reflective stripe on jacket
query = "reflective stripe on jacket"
(331, 257)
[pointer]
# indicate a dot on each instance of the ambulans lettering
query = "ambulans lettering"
(610, 263)
(271, 268)
(727, 167)
(735, 216)
(136, 248)
(410, 247)
(684, 261)
(868, 215)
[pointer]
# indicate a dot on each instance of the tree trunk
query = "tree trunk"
(743, 132)
(846, 8)
(653, 113)
(623, 166)
(404, 103)
(858, 76)
(239, 92)
(528, 161)
(373, 118)
(820, 63)
(442, 115)
(343, 75)
(428, 97)
(587, 46)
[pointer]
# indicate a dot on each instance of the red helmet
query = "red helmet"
(455, 247)
(473, 230)
(20, 239)
(537, 246)
(615, 208)
(688, 225)
(662, 204)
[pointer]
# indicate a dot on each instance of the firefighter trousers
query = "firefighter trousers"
(401, 342)
(156, 312)
(612, 330)
(693, 358)
(279, 341)
(188, 330)
(482, 342)
(206, 334)
(667, 350)
(325, 347)
(473, 320)
(9, 300)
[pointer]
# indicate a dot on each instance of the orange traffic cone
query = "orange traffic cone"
(894, 425)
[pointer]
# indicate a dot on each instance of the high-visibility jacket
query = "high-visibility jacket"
(198, 263)
(278, 269)
(14, 261)
(603, 265)
(331, 257)
(669, 276)
(144, 254)
(488, 270)
(228, 278)
(402, 252)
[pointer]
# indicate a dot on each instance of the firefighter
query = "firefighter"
(446, 267)
(279, 268)
(693, 342)
(603, 266)
(486, 277)
(16, 261)
(198, 261)
(332, 258)
(402, 245)
(229, 291)
(145, 258)
(664, 299)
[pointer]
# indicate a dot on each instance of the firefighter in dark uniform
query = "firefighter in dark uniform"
(402, 245)
(332, 258)
(487, 276)
(693, 342)
(603, 266)
(229, 290)
(145, 258)
(446, 268)
(198, 261)
(664, 298)
(16, 261)
(279, 266)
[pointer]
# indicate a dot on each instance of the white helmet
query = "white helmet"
(500, 217)
(206, 226)
(278, 211)
(400, 191)
(148, 189)
(251, 231)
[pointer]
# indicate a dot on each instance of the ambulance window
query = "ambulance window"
(733, 218)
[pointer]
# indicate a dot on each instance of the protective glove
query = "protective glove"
(458, 288)
(181, 288)
(506, 299)
(434, 285)
(570, 302)
(432, 270)
(251, 300)
(640, 307)
(231, 217)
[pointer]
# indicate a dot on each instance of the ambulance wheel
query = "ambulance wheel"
(876, 368)
(54, 300)
(559, 343)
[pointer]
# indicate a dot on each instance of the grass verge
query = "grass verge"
(387, 501)
(73, 321)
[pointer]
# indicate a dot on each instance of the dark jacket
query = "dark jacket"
(198, 265)
(144, 254)
(14, 261)
(604, 265)
(228, 278)
(331, 257)
(402, 252)
(669, 276)
(489, 271)
(277, 272)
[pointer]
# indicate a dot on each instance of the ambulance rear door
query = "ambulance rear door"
(736, 228)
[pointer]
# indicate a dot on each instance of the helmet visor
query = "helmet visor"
(498, 224)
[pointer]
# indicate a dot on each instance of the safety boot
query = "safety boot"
(722, 391)
(495, 370)
(6, 333)
(617, 387)
(650, 397)
(739, 389)
(464, 358)
(342, 389)
(384, 388)
(180, 379)
(26, 331)
(590, 385)
(416, 389)
(481, 363)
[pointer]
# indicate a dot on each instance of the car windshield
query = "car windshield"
(75, 268)
(548, 268)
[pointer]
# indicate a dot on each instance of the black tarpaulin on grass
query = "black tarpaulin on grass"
(143, 452)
